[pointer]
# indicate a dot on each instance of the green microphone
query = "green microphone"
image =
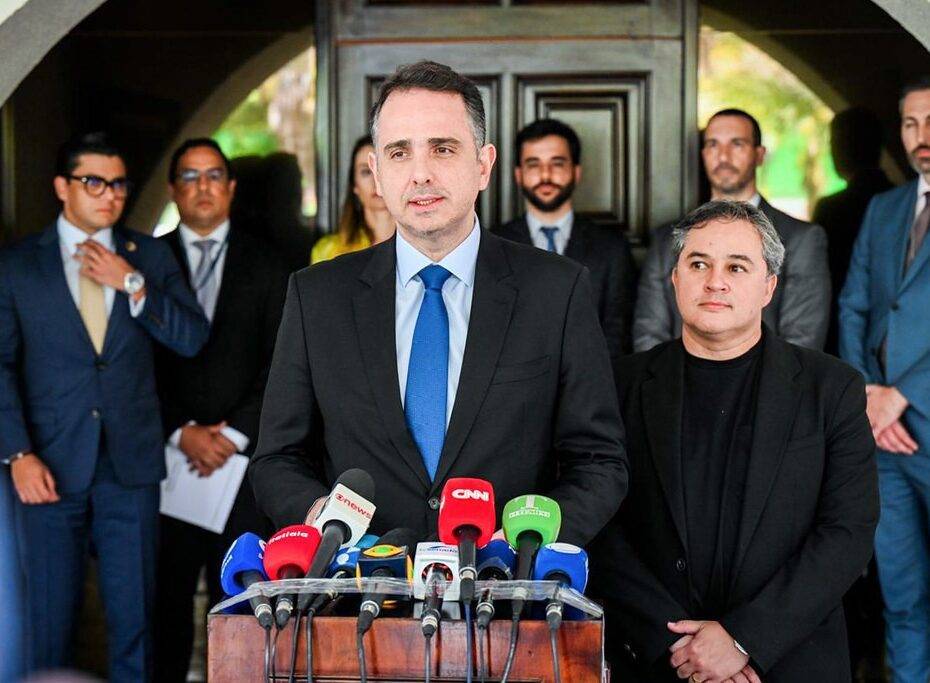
(529, 522)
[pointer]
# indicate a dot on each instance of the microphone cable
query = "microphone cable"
(291, 678)
(514, 630)
(427, 658)
(267, 655)
(469, 643)
(310, 614)
(360, 646)
(554, 647)
(482, 665)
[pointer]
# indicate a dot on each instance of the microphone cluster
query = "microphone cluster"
(333, 544)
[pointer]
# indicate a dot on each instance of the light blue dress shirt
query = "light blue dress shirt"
(564, 224)
(457, 294)
(195, 255)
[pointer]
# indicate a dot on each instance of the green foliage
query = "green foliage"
(246, 130)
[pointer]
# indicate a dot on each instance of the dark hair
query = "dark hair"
(756, 130)
(773, 250)
(543, 128)
(190, 144)
(352, 218)
(919, 83)
(427, 75)
(856, 138)
(69, 153)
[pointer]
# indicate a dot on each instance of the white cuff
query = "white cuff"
(135, 307)
(240, 440)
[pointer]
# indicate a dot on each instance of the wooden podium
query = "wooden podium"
(394, 651)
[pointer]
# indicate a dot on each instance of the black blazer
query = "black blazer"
(226, 380)
(535, 410)
(606, 254)
(800, 308)
(810, 507)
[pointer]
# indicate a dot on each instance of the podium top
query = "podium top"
(401, 588)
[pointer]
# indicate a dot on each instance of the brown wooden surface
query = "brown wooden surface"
(394, 651)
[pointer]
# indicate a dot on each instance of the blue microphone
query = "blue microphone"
(565, 563)
(366, 541)
(242, 566)
(496, 561)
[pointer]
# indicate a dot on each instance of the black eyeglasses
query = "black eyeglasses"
(191, 176)
(95, 186)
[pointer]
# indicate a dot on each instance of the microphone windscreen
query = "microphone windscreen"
(366, 541)
(245, 554)
(496, 560)
(467, 502)
(562, 558)
(400, 537)
(531, 513)
(292, 546)
(359, 481)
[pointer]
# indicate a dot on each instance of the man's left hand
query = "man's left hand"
(884, 405)
(706, 652)
(104, 266)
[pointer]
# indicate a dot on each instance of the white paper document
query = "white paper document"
(203, 501)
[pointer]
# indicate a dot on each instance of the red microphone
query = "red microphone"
(467, 518)
(288, 555)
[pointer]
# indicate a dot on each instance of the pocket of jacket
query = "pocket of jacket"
(518, 372)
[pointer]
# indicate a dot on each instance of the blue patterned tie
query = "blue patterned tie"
(550, 238)
(428, 372)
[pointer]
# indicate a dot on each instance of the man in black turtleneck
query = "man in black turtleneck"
(753, 496)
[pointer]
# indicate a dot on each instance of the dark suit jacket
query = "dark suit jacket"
(606, 254)
(799, 311)
(57, 396)
(535, 409)
(810, 506)
(226, 380)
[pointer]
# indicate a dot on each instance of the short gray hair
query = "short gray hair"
(773, 251)
(427, 75)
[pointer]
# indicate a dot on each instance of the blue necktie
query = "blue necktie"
(428, 371)
(550, 238)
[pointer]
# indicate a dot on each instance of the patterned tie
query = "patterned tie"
(428, 371)
(204, 282)
(550, 238)
(93, 308)
(918, 232)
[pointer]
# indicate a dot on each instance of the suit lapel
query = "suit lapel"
(173, 239)
(374, 309)
(520, 232)
(119, 315)
(53, 273)
(662, 396)
(235, 263)
(577, 243)
(904, 219)
(776, 408)
(492, 305)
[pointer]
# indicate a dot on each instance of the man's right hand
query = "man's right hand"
(205, 447)
(33, 481)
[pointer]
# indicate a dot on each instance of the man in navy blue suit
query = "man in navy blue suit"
(82, 305)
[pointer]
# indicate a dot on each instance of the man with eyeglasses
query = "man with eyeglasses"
(212, 401)
(83, 305)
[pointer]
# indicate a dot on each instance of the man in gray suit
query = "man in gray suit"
(800, 309)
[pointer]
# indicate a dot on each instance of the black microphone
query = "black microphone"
(390, 558)
(344, 519)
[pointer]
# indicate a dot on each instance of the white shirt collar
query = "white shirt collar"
(460, 261)
(922, 187)
(755, 200)
(70, 236)
(563, 223)
(219, 233)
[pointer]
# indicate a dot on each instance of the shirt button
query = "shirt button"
(680, 565)
(895, 306)
(95, 414)
(433, 503)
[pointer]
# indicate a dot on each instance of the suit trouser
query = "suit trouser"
(119, 521)
(183, 549)
(902, 549)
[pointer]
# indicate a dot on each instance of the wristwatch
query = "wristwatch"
(133, 282)
(13, 458)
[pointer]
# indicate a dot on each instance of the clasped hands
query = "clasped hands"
(205, 447)
(707, 653)
(885, 406)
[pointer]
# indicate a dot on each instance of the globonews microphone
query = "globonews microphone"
(435, 578)
(565, 563)
(343, 520)
(467, 519)
(529, 522)
(496, 562)
(242, 566)
(389, 559)
(288, 555)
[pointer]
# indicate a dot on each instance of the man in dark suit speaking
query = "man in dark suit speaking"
(753, 495)
(443, 352)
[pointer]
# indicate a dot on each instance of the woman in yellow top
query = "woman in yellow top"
(365, 219)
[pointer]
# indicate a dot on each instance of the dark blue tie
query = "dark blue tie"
(428, 371)
(550, 238)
